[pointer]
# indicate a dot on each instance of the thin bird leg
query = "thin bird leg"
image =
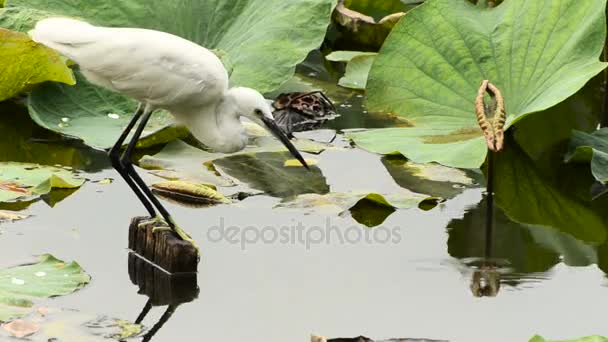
(114, 155)
(128, 165)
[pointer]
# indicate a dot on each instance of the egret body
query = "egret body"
(161, 71)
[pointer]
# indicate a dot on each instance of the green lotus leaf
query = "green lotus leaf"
(24, 181)
(537, 53)
(25, 63)
(20, 286)
(262, 40)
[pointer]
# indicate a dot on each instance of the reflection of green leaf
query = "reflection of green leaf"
(24, 181)
(257, 35)
(179, 160)
(594, 338)
(95, 115)
(370, 209)
(431, 66)
(433, 179)
(25, 63)
(526, 248)
(265, 171)
(32, 144)
(49, 277)
(592, 148)
(528, 195)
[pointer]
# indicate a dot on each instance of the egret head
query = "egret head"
(251, 104)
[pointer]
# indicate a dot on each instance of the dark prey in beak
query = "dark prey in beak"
(279, 134)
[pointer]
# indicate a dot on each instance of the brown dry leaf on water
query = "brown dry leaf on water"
(21, 328)
(11, 216)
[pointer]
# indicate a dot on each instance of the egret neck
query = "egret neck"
(217, 126)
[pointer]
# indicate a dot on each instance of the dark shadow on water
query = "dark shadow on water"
(505, 255)
(162, 289)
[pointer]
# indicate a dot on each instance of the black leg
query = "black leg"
(163, 319)
(115, 159)
(144, 312)
(126, 162)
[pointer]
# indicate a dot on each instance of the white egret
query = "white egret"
(161, 71)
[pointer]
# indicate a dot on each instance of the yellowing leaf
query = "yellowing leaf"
(24, 63)
(296, 163)
(190, 192)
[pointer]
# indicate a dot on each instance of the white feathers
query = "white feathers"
(160, 70)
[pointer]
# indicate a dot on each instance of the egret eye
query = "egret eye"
(258, 112)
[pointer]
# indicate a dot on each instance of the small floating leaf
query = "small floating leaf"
(11, 216)
(190, 192)
(22, 181)
(21, 328)
(20, 285)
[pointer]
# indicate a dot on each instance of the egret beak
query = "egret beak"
(279, 134)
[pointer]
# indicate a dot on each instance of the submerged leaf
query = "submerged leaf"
(23, 181)
(449, 47)
(25, 63)
(49, 277)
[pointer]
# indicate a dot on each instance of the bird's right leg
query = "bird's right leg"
(114, 154)
(128, 165)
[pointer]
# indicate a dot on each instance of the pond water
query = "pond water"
(412, 278)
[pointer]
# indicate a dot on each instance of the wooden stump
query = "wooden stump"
(163, 248)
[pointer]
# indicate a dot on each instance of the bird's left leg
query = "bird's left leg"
(128, 165)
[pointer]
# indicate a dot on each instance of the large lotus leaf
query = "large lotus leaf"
(24, 63)
(95, 115)
(431, 66)
(585, 147)
(531, 195)
(21, 285)
(594, 338)
(259, 36)
(23, 181)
